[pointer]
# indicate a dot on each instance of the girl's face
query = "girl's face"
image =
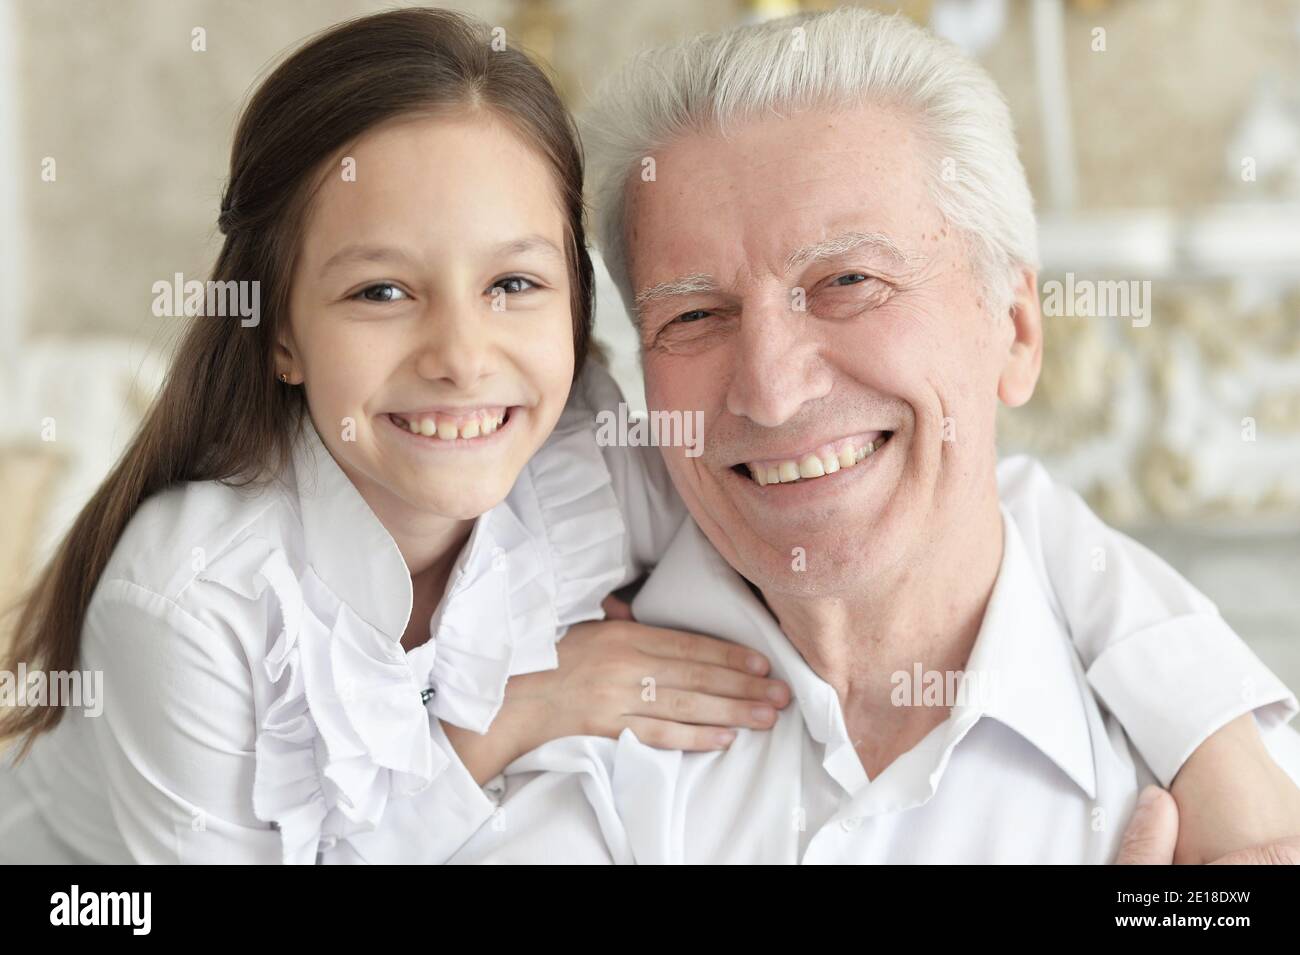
(430, 319)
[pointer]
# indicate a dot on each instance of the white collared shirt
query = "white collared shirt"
(259, 705)
(1029, 769)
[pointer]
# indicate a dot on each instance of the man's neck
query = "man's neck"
(926, 613)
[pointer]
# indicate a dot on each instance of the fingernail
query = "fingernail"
(755, 664)
(725, 737)
(764, 714)
(776, 693)
(1148, 795)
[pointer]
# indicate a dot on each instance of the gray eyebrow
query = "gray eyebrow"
(683, 285)
(840, 244)
(700, 282)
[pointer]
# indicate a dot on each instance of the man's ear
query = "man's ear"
(1025, 353)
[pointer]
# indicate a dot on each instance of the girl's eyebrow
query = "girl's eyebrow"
(364, 253)
(529, 243)
(382, 253)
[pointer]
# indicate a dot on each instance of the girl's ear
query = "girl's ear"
(287, 367)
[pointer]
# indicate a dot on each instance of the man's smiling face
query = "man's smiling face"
(797, 284)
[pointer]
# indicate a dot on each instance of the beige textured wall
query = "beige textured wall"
(1153, 113)
(139, 124)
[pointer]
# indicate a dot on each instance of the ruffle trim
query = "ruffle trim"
(345, 730)
(517, 588)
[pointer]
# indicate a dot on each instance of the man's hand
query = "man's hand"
(1152, 835)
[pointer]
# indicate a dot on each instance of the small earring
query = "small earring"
(284, 378)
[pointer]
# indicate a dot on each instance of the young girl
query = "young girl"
(342, 531)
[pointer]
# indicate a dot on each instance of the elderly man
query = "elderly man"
(828, 243)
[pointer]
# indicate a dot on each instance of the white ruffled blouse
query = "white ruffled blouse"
(259, 705)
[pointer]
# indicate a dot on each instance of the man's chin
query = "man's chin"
(823, 568)
(854, 513)
(808, 557)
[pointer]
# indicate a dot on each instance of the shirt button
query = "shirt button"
(850, 823)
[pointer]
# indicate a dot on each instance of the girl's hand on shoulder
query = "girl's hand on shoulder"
(672, 688)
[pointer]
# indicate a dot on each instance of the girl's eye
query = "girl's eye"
(513, 284)
(692, 316)
(383, 292)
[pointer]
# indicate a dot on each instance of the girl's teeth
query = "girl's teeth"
(449, 430)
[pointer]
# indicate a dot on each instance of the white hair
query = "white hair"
(843, 57)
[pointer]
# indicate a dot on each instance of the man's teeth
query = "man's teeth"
(449, 429)
(813, 465)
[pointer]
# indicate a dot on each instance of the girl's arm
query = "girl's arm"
(1232, 794)
(176, 736)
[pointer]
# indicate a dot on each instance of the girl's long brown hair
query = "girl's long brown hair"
(221, 414)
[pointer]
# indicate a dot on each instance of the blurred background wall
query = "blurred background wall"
(1161, 138)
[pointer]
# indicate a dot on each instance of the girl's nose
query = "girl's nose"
(455, 349)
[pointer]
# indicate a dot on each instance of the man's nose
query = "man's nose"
(776, 367)
(454, 346)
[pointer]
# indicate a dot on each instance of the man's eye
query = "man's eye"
(692, 316)
(852, 278)
(513, 284)
(383, 292)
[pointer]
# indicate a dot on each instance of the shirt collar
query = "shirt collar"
(346, 544)
(1025, 654)
(694, 588)
(1022, 652)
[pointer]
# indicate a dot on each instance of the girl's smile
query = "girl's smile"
(454, 431)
